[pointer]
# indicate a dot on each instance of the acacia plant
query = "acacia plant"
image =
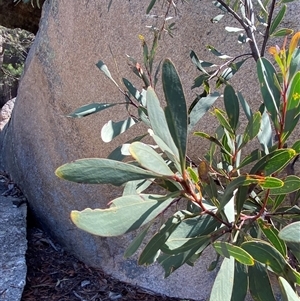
(232, 199)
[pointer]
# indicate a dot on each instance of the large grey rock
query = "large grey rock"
(13, 246)
(60, 76)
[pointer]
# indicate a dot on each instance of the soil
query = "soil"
(55, 275)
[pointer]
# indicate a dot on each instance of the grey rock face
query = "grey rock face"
(13, 246)
(60, 76)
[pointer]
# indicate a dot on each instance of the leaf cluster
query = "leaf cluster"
(232, 199)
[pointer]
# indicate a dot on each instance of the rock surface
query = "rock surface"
(60, 76)
(13, 246)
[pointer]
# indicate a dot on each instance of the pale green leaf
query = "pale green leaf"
(125, 214)
(102, 171)
(148, 158)
(112, 129)
(291, 233)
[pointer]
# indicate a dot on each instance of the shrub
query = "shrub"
(233, 200)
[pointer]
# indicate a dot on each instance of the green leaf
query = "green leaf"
(105, 70)
(271, 94)
(220, 55)
(193, 175)
(232, 106)
(291, 233)
(161, 144)
(291, 184)
(223, 121)
(277, 19)
(152, 249)
(102, 171)
(112, 129)
(158, 121)
(150, 6)
(136, 187)
(119, 152)
(135, 244)
(201, 107)
(226, 249)
(200, 64)
(148, 158)
(176, 110)
(182, 245)
(252, 157)
(212, 139)
(241, 197)
(222, 287)
(233, 29)
(296, 146)
(272, 235)
(268, 255)
(191, 227)
(288, 292)
(293, 102)
(125, 214)
(282, 32)
(90, 109)
(259, 283)
(265, 135)
(252, 129)
(171, 263)
(273, 162)
(217, 18)
(140, 97)
(240, 282)
(246, 180)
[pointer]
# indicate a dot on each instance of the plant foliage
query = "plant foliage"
(232, 199)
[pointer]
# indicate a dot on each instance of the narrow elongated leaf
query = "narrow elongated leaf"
(233, 29)
(232, 106)
(105, 70)
(222, 287)
(182, 245)
(271, 94)
(282, 32)
(223, 121)
(135, 244)
(291, 184)
(202, 106)
(151, 251)
(265, 135)
(159, 122)
(150, 6)
(268, 255)
(112, 129)
(125, 214)
(171, 263)
(102, 171)
(176, 110)
(162, 145)
(134, 92)
(291, 233)
(90, 109)
(288, 292)
(252, 129)
(273, 162)
(277, 20)
(293, 105)
(259, 283)
(252, 157)
(246, 180)
(272, 235)
(296, 146)
(226, 249)
(149, 158)
(240, 282)
(220, 55)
